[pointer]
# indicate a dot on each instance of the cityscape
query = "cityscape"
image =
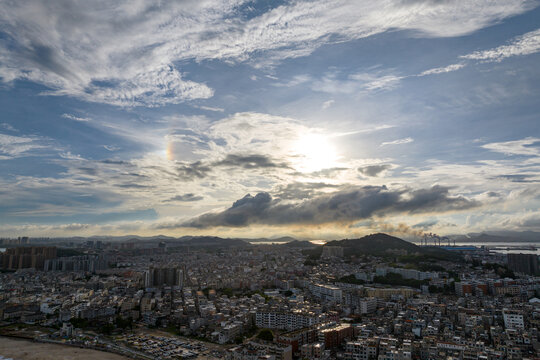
(269, 179)
(376, 297)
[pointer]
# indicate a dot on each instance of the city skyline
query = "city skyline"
(311, 119)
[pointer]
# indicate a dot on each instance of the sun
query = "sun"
(314, 152)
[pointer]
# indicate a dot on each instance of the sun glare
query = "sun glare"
(314, 152)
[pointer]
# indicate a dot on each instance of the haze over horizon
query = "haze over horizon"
(250, 118)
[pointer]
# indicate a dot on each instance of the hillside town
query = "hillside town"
(157, 300)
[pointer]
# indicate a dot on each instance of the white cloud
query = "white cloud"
(17, 146)
(442, 70)
(295, 81)
(356, 83)
(327, 104)
(398, 141)
(209, 108)
(127, 53)
(76, 118)
(525, 44)
(111, 147)
(8, 127)
(386, 82)
(516, 147)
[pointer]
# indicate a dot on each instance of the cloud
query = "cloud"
(253, 161)
(520, 178)
(196, 170)
(201, 169)
(302, 190)
(398, 141)
(327, 104)
(372, 82)
(129, 54)
(185, 198)
(426, 224)
(331, 83)
(295, 81)
(442, 70)
(209, 108)
(18, 146)
(343, 206)
(374, 170)
(111, 147)
(525, 44)
(527, 147)
(8, 127)
(76, 118)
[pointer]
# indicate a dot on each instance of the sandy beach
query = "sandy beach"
(27, 350)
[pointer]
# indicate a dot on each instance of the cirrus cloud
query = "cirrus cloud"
(128, 53)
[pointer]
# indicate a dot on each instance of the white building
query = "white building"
(513, 319)
(368, 305)
(286, 320)
(327, 293)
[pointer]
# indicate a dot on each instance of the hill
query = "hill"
(376, 244)
(386, 245)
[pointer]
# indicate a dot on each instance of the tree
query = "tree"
(266, 335)
(107, 329)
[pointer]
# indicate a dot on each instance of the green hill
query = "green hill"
(386, 245)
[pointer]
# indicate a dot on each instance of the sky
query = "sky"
(256, 118)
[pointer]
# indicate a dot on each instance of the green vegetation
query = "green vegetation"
(501, 270)
(387, 246)
(266, 334)
(351, 279)
(420, 263)
(106, 329)
(79, 323)
(173, 330)
(446, 290)
(398, 280)
(251, 331)
(242, 292)
(123, 324)
(226, 291)
(310, 262)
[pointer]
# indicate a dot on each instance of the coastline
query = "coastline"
(18, 348)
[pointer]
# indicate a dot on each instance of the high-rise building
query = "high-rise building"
(523, 263)
(90, 263)
(163, 276)
(26, 257)
(332, 251)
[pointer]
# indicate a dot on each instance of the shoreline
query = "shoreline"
(22, 348)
